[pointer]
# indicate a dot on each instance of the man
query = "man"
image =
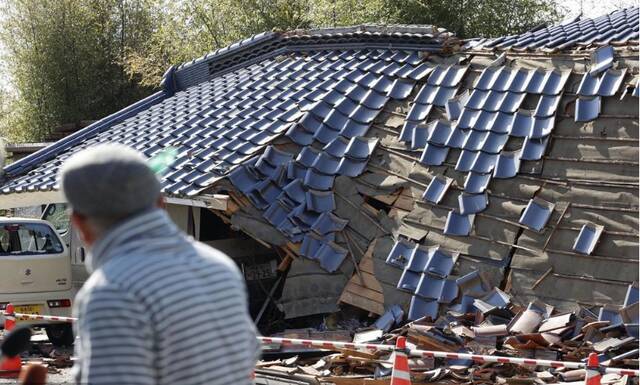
(159, 307)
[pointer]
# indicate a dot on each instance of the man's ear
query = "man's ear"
(161, 203)
(85, 231)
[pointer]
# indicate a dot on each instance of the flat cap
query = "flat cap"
(109, 181)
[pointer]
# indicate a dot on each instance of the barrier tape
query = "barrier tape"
(331, 345)
(435, 354)
(39, 317)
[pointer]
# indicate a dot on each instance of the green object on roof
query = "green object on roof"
(160, 162)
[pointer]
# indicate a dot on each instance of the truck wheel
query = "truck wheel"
(60, 334)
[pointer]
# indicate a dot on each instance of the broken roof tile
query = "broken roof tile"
(587, 238)
(542, 127)
(295, 191)
(275, 157)
(320, 201)
(420, 307)
(430, 287)
(449, 292)
(311, 243)
(317, 180)
(476, 183)
(444, 94)
(601, 59)
(458, 224)
(401, 253)
(441, 263)
(587, 108)
(243, 179)
(522, 124)
(434, 155)
(327, 222)
(331, 256)
(537, 214)
(276, 213)
(472, 203)
(533, 149)
(296, 170)
(409, 280)
(610, 82)
(419, 258)
(507, 165)
(439, 132)
(351, 167)
(436, 189)
(326, 164)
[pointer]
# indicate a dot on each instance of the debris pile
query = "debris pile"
(489, 325)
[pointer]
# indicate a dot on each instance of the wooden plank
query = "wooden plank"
(366, 293)
(362, 303)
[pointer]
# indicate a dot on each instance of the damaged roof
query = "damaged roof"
(449, 159)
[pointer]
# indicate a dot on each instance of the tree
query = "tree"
(73, 60)
(63, 58)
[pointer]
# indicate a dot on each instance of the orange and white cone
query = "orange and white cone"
(400, 374)
(10, 366)
(593, 375)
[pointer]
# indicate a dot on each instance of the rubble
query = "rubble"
(492, 325)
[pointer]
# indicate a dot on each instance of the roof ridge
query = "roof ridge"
(203, 68)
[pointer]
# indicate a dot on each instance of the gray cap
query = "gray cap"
(109, 181)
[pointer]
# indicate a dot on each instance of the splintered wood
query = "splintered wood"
(365, 293)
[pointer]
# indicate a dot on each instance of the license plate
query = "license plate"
(27, 309)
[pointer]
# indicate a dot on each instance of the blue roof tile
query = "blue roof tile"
(419, 308)
(434, 154)
(472, 203)
(458, 224)
(610, 82)
(400, 253)
(430, 287)
(633, 295)
(537, 214)
(400, 89)
(326, 164)
(331, 256)
(465, 161)
(476, 183)
(601, 59)
(409, 280)
(317, 180)
(337, 147)
(587, 108)
(588, 238)
(457, 138)
(547, 106)
(436, 189)
(440, 263)
(419, 112)
(508, 165)
(533, 149)
(522, 124)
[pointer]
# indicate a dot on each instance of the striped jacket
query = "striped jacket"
(160, 308)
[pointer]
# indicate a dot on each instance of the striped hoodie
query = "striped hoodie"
(161, 308)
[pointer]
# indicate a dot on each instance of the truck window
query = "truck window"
(57, 215)
(28, 239)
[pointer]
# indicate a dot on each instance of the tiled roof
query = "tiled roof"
(294, 121)
(230, 104)
(617, 28)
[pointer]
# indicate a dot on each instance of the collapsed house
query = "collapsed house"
(399, 165)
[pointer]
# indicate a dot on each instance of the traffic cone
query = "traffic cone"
(400, 374)
(10, 366)
(593, 375)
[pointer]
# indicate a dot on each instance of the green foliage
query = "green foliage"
(63, 57)
(72, 60)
